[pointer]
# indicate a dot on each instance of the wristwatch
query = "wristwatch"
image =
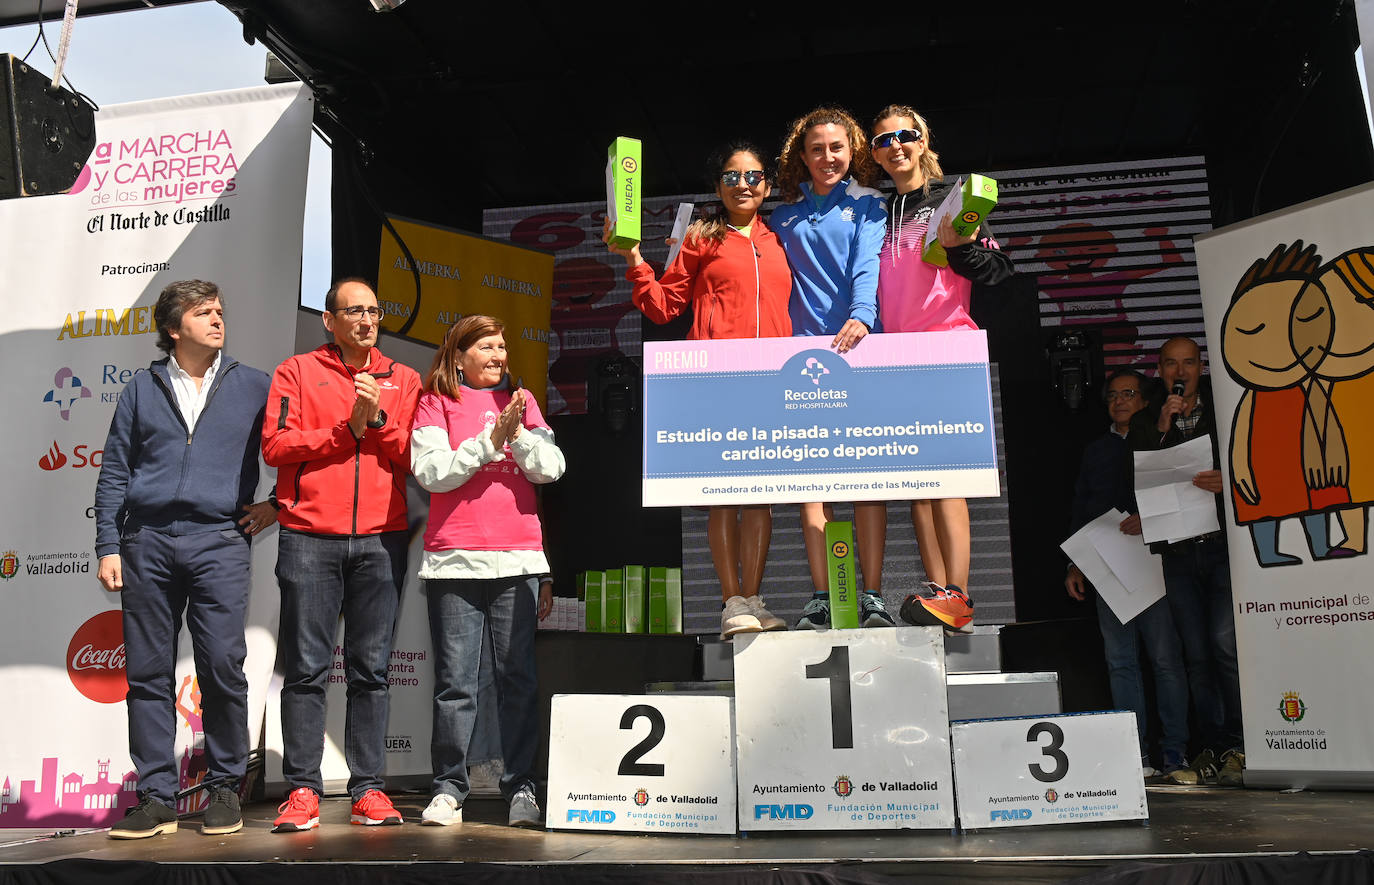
(379, 421)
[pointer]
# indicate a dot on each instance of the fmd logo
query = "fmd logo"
(800, 811)
(1011, 814)
(595, 816)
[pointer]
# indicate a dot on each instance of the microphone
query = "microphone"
(1176, 390)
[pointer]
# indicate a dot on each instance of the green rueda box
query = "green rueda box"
(636, 600)
(623, 191)
(844, 587)
(613, 607)
(665, 600)
(967, 212)
(593, 592)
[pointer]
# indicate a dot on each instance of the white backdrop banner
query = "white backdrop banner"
(1288, 300)
(205, 186)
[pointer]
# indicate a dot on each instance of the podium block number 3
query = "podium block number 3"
(1053, 749)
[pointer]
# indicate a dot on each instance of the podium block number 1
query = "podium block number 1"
(843, 729)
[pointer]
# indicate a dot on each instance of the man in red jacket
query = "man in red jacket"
(338, 431)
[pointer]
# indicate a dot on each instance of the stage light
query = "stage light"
(1071, 367)
(385, 5)
(614, 391)
(46, 132)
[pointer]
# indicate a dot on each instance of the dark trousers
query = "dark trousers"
(1197, 581)
(462, 613)
(321, 577)
(206, 576)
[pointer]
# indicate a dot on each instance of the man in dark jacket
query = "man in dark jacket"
(179, 472)
(1197, 573)
(1106, 481)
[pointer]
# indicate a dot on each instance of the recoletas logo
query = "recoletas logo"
(814, 369)
(66, 391)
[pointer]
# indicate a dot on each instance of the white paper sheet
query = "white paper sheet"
(1128, 577)
(680, 224)
(1171, 507)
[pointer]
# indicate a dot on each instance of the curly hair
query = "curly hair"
(792, 169)
(714, 227)
(930, 160)
(445, 377)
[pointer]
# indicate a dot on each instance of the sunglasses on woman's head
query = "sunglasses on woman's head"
(901, 136)
(753, 178)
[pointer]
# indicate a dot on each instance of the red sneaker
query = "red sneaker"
(935, 606)
(373, 809)
(300, 811)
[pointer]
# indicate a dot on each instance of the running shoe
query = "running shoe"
(816, 614)
(935, 606)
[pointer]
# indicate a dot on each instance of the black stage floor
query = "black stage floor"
(1222, 831)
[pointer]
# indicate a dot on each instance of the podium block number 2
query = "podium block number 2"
(629, 763)
(609, 765)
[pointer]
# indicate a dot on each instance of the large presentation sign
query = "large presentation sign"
(1289, 302)
(774, 420)
(178, 188)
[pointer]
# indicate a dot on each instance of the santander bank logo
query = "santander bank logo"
(82, 456)
(53, 459)
(95, 658)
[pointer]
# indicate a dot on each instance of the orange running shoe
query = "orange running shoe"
(935, 606)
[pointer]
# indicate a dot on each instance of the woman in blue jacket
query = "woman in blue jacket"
(831, 227)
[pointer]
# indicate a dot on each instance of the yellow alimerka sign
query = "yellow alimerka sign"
(463, 274)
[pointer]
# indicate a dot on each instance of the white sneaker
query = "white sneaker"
(738, 617)
(767, 620)
(443, 810)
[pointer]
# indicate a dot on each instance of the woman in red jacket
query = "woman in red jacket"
(734, 276)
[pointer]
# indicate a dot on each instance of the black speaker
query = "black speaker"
(46, 134)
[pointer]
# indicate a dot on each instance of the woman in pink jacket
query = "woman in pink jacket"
(479, 448)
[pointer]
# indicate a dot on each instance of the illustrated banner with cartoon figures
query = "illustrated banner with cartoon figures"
(1289, 304)
(210, 187)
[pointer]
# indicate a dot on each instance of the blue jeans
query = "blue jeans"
(1197, 578)
(206, 575)
(1152, 629)
(321, 577)
(461, 612)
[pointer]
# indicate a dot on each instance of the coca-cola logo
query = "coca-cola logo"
(95, 658)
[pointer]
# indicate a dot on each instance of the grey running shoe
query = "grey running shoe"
(816, 614)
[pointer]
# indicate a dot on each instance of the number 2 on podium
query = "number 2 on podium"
(629, 763)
